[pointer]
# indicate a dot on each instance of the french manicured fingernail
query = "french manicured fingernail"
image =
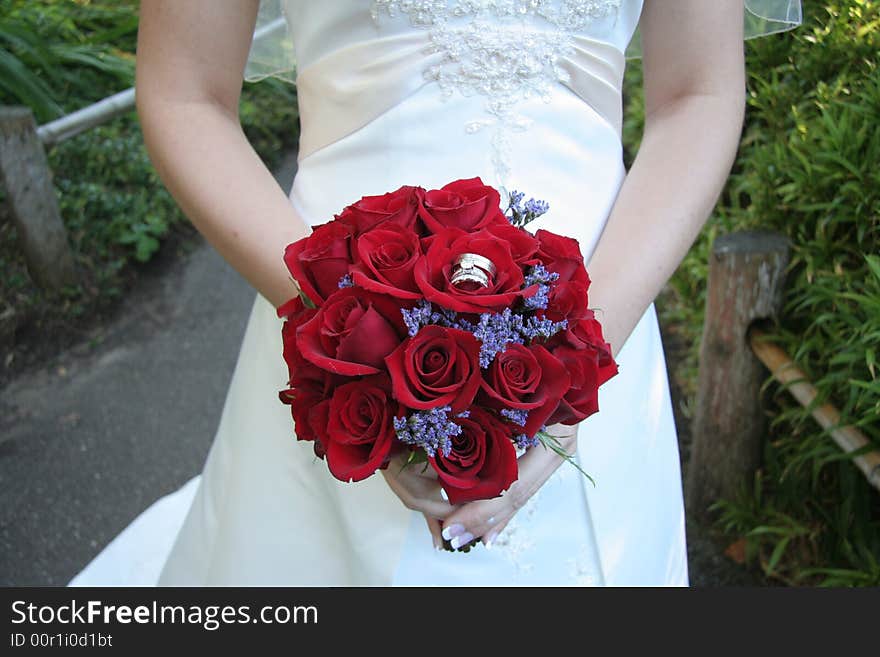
(444, 495)
(490, 539)
(452, 531)
(464, 539)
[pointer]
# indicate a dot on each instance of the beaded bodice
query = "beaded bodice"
(505, 50)
(506, 55)
(499, 48)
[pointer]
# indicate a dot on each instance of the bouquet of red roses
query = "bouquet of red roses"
(432, 322)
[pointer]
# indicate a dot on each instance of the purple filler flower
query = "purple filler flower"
(431, 430)
(519, 213)
(538, 275)
(524, 442)
(425, 314)
(495, 331)
(517, 416)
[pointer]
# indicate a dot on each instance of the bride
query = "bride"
(525, 94)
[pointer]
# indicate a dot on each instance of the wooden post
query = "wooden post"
(31, 197)
(746, 280)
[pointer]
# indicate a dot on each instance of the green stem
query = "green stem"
(552, 443)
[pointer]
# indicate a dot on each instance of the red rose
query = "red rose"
(318, 261)
(525, 379)
(310, 386)
(567, 301)
(296, 315)
(399, 207)
(385, 258)
(562, 255)
(352, 332)
(522, 243)
(290, 308)
(360, 428)
(437, 367)
(465, 204)
(304, 400)
(433, 273)
(318, 416)
(586, 333)
(582, 398)
(482, 463)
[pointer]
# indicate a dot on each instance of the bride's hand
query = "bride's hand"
(419, 489)
(486, 519)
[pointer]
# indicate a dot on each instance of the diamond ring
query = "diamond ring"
(472, 268)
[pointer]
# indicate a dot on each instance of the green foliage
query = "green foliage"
(116, 209)
(807, 167)
(56, 57)
(109, 194)
(270, 117)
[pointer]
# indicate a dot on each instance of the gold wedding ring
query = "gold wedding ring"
(472, 268)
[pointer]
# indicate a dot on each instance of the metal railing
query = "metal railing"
(25, 173)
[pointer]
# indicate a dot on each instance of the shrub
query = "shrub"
(116, 209)
(58, 56)
(807, 167)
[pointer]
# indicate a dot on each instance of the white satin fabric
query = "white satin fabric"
(384, 102)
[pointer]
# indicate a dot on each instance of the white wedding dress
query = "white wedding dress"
(527, 95)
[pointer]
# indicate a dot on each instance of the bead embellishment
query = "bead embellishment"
(505, 50)
(518, 547)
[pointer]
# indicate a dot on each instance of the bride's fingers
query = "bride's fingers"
(419, 494)
(482, 519)
(475, 520)
(435, 529)
(439, 510)
(489, 538)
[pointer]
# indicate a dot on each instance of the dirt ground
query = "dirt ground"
(708, 565)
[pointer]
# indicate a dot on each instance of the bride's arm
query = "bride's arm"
(694, 82)
(190, 61)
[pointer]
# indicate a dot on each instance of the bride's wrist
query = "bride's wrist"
(550, 456)
(564, 435)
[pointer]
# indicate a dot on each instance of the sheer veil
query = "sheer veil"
(760, 18)
(272, 53)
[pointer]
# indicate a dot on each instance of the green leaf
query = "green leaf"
(778, 551)
(415, 457)
(26, 88)
(308, 303)
(873, 263)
